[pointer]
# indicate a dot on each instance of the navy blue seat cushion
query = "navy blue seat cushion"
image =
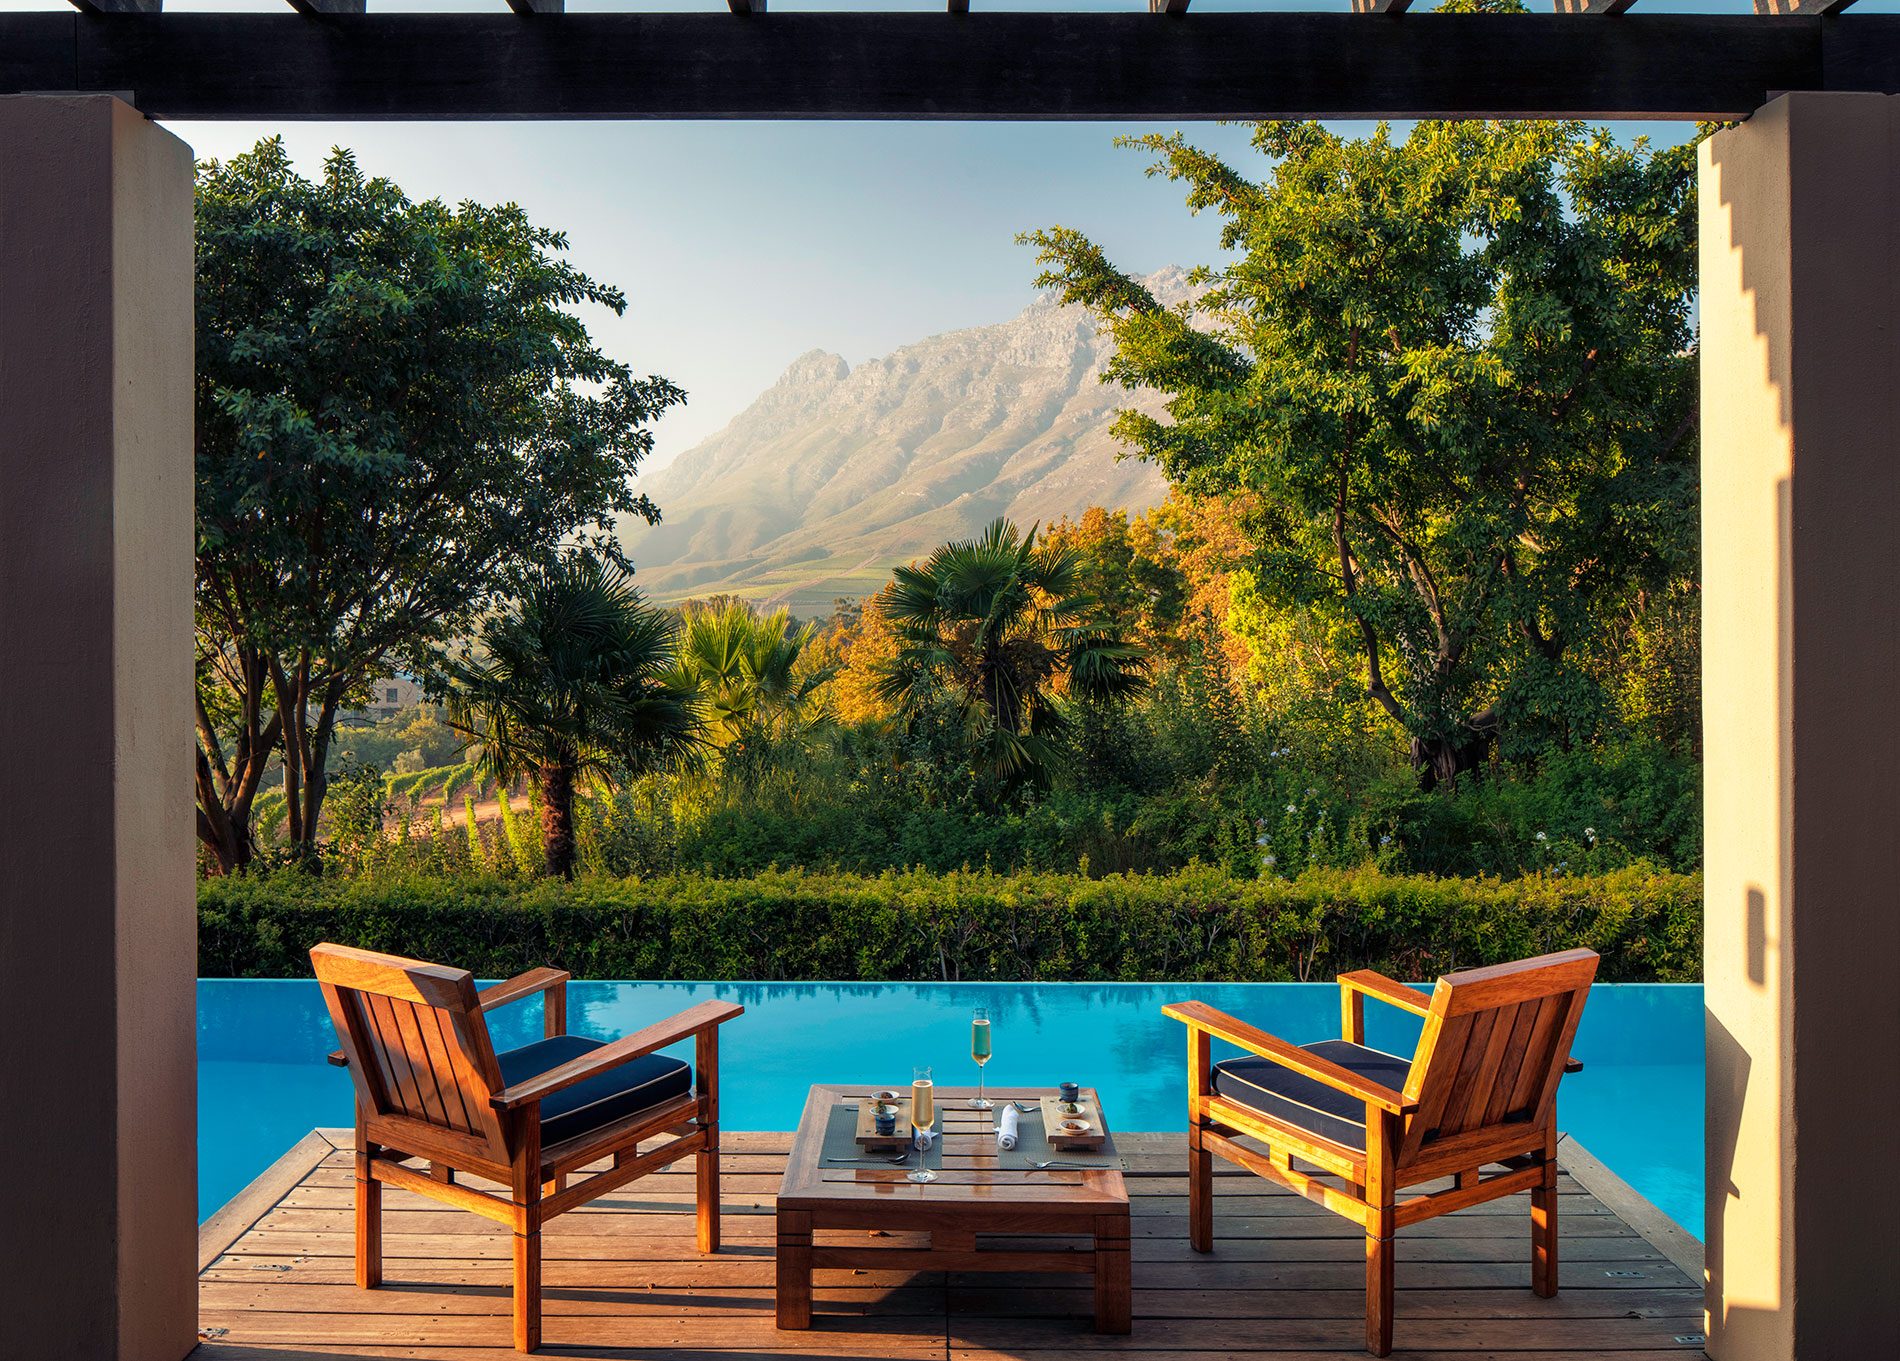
(620, 1091)
(1295, 1099)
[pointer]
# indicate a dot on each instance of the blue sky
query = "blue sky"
(742, 245)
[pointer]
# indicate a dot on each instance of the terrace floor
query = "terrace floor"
(1286, 1279)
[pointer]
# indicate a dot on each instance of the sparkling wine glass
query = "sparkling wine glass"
(980, 1055)
(923, 1114)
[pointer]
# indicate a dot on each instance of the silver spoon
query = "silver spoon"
(888, 1162)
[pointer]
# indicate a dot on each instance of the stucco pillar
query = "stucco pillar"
(97, 927)
(1800, 241)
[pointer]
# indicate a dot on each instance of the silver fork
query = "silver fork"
(887, 1162)
(1062, 1162)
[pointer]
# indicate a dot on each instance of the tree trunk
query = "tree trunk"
(557, 817)
(1441, 760)
(227, 786)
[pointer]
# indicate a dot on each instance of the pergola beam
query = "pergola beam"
(1123, 66)
(1592, 6)
(1380, 6)
(315, 7)
(118, 6)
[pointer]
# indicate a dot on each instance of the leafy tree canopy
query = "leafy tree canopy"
(398, 405)
(990, 629)
(574, 679)
(1453, 377)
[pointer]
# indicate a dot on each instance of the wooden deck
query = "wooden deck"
(623, 1280)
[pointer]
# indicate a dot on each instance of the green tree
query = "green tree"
(754, 673)
(1457, 372)
(574, 679)
(397, 406)
(990, 629)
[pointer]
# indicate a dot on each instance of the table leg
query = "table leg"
(794, 1268)
(1114, 1287)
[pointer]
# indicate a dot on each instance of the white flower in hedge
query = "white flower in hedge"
(1590, 834)
(1386, 840)
(1291, 809)
(1268, 861)
(1543, 836)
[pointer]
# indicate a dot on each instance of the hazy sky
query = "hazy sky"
(742, 245)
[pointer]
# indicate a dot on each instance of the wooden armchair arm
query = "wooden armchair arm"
(551, 981)
(1386, 990)
(1222, 1026)
(660, 1034)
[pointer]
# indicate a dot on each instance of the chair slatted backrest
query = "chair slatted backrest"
(1494, 1046)
(417, 1043)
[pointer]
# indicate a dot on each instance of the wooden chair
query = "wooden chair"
(1480, 1090)
(430, 1086)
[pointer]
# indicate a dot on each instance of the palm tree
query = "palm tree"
(574, 680)
(995, 626)
(752, 672)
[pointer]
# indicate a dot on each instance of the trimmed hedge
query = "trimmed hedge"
(1195, 925)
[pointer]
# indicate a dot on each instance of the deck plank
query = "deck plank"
(623, 1282)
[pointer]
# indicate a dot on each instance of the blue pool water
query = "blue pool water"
(1637, 1105)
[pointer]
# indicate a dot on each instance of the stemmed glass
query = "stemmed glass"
(980, 1054)
(923, 1115)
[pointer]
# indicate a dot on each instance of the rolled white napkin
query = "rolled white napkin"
(924, 1138)
(1006, 1127)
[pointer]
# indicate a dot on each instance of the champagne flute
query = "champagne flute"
(980, 1055)
(923, 1114)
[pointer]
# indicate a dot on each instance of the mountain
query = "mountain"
(834, 475)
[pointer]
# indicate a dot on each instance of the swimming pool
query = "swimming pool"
(263, 1083)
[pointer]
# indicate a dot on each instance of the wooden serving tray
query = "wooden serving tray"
(1053, 1115)
(867, 1135)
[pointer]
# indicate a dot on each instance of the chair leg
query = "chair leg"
(1200, 1193)
(528, 1291)
(369, 1221)
(706, 1187)
(525, 1137)
(1379, 1266)
(1544, 1234)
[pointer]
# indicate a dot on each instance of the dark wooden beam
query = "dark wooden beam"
(746, 6)
(1380, 6)
(1167, 6)
(537, 6)
(1119, 66)
(1801, 6)
(328, 6)
(1592, 6)
(118, 6)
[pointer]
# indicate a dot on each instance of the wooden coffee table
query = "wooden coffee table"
(972, 1196)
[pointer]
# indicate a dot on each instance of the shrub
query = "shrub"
(1199, 924)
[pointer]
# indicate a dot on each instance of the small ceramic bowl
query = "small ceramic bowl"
(1074, 1127)
(885, 1098)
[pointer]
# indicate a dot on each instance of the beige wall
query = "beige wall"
(1800, 242)
(97, 926)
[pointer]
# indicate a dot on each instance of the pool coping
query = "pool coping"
(268, 1189)
(1652, 1225)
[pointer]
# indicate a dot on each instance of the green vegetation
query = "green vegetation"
(573, 679)
(986, 632)
(1403, 673)
(1193, 926)
(397, 408)
(1455, 378)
